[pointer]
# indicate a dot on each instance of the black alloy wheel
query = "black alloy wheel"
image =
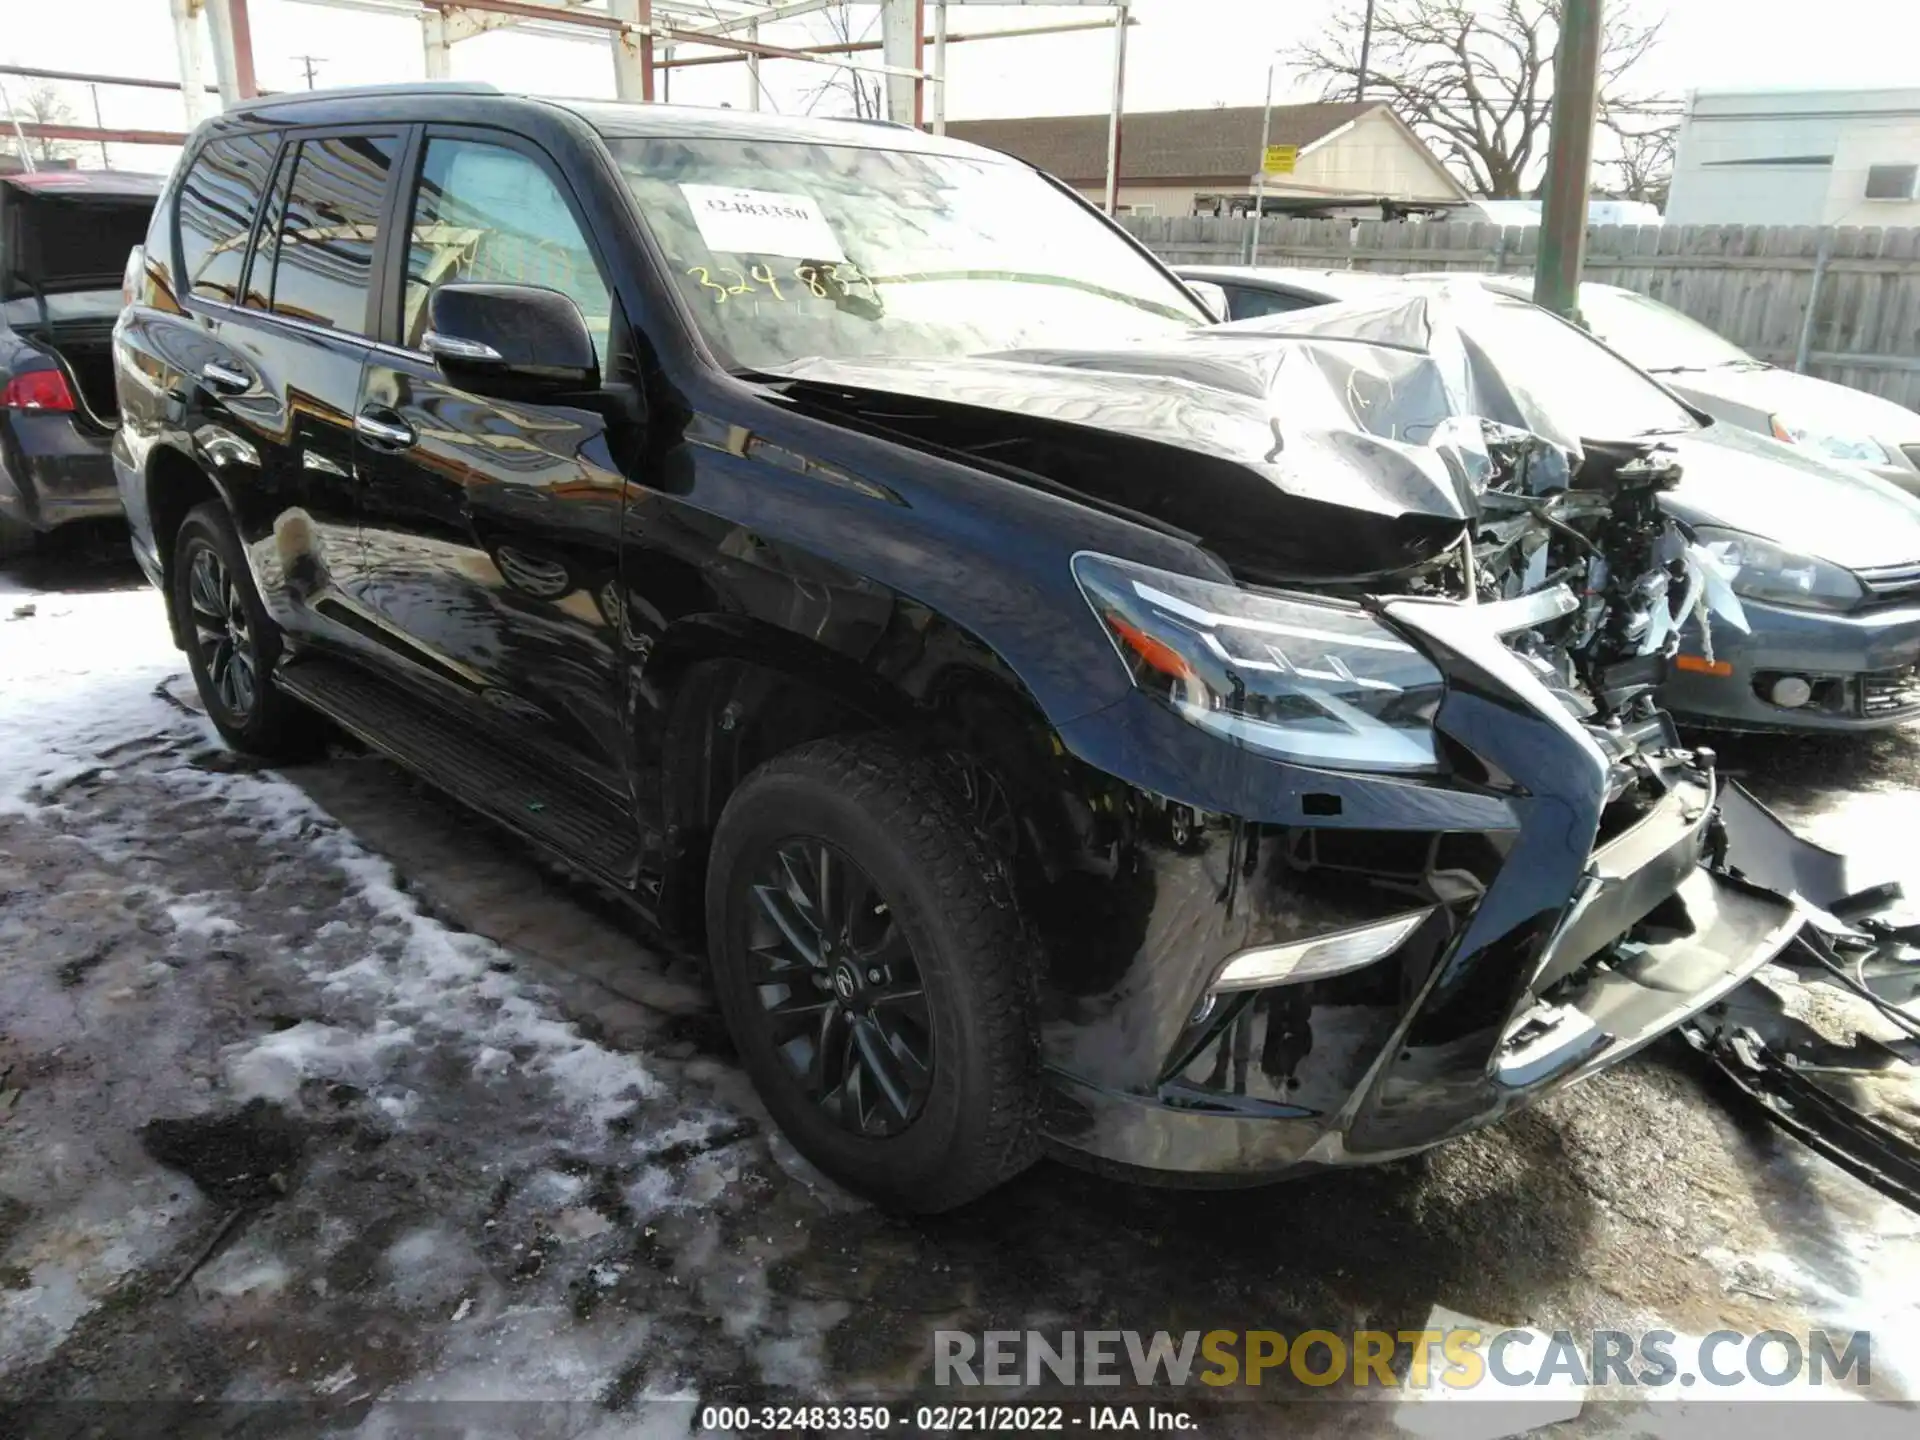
(875, 972)
(841, 989)
(232, 643)
(223, 634)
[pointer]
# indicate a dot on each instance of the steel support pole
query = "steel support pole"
(1563, 218)
(436, 45)
(632, 55)
(753, 68)
(1260, 175)
(900, 44)
(106, 161)
(186, 41)
(1121, 20)
(939, 67)
(232, 33)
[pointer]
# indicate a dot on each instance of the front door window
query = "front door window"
(490, 213)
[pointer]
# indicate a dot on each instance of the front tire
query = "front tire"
(874, 973)
(232, 643)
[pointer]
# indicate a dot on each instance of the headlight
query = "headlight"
(1309, 680)
(1856, 449)
(1766, 571)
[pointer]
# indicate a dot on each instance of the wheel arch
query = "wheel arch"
(736, 693)
(175, 484)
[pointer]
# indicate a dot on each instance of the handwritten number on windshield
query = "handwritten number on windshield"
(822, 282)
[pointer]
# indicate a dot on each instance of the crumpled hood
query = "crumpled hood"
(1749, 482)
(1804, 400)
(1338, 423)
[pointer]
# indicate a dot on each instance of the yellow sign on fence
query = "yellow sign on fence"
(1279, 159)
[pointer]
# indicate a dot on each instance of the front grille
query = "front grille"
(1891, 582)
(1889, 692)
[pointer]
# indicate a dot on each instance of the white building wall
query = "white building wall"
(1783, 157)
(1892, 141)
(1372, 156)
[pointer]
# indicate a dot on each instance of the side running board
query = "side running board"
(538, 799)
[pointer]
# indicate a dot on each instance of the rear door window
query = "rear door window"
(324, 246)
(217, 204)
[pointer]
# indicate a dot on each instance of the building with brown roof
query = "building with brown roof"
(1183, 162)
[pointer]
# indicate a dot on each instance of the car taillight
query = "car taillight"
(37, 390)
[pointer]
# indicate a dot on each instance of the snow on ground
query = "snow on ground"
(475, 1158)
(507, 1140)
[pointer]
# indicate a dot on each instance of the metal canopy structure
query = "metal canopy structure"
(648, 38)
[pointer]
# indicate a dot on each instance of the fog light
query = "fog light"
(1320, 957)
(1790, 692)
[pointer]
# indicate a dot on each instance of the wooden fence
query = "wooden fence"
(1843, 304)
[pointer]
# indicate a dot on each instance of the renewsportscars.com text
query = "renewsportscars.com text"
(1457, 1359)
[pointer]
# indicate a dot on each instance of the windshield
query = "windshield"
(1656, 336)
(788, 251)
(1556, 368)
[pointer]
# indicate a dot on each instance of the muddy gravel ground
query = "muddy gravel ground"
(323, 1100)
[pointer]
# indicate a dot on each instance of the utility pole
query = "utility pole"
(1121, 20)
(308, 62)
(1366, 53)
(1563, 218)
(1260, 175)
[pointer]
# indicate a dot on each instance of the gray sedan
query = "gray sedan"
(1826, 557)
(1836, 422)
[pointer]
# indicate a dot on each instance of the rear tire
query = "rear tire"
(918, 1089)
(232, 643)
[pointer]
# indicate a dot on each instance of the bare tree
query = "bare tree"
(1642, 163)
(44, 105)
(1474, 78)
(853, 90)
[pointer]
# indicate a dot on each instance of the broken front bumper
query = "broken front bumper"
(1563, 929)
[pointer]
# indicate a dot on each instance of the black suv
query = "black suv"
(1060, 720)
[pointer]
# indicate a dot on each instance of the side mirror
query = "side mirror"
(520, 337)
(1213, 298)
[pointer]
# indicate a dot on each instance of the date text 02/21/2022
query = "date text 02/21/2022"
(964, 1419)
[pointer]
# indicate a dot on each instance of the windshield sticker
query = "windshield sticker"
(762, 222)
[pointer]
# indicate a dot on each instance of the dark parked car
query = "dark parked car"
(1825, 555)
(64, 240)
(1061, 720)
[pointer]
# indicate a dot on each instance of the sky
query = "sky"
(1182, 53)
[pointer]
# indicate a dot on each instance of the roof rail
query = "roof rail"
(401, 87)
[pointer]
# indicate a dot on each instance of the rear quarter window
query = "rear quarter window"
(218, 200)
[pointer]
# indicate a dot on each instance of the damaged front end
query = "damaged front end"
(1390, 834)
(1467, 859)
(1825, 1045)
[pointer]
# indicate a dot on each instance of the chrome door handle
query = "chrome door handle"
(394, 434)
(224, 377)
